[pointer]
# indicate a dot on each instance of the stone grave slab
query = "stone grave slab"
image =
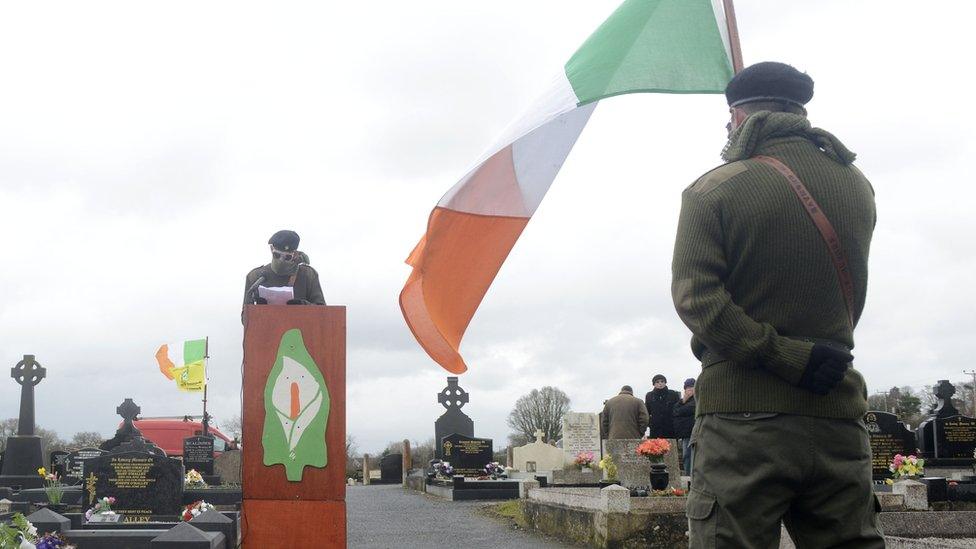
(228, 466)
(144, 484)
(538, 457)
(391, 468)
(581, 433)
(198, 453)
(467, 455)
(888, 437)
(634, 470)
(58, 462)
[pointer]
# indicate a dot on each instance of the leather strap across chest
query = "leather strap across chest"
(834, 247)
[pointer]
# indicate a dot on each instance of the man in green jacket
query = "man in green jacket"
(288, 268)
(624, 416)
(779, 435)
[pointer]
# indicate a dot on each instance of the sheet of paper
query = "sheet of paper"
(276, 295)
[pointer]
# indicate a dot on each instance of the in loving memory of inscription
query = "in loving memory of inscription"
(131, 473)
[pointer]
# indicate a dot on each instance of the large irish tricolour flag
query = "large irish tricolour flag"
(663, 46)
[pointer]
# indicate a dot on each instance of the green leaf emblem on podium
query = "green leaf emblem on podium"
(296, 403)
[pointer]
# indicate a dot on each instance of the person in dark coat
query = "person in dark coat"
(660, 405)
(684, 421)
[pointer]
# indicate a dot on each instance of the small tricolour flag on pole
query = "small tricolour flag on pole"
(184, 362)
(656, 46)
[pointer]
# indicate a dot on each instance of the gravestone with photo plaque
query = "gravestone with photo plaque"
(888, 437)
(467, 455)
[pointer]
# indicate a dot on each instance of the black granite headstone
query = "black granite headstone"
(143, 483)
(391, 467)
(888, 437)
(955, 437)
(58, 461)
(467, 455)
(24, 451)
(75, 462)
(198, 453)
(453, 421)
(947, 438)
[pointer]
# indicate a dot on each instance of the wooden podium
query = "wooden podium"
(294, 431)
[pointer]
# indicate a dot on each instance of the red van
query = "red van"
(168, 433)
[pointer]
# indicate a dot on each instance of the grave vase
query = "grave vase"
(659, 473)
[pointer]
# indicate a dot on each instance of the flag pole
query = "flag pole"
(206, 357)
(733, 35)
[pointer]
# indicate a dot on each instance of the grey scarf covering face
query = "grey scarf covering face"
(764, 125)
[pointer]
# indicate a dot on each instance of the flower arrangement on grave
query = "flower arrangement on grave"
(906, 467)
(584, 459)
(19, 533)
(194, 510)
(53, 541)
(654, 449)
(443, 470)
(102, 507)
(494, 470)
(53, 487)
(608, 465)
(194, 479)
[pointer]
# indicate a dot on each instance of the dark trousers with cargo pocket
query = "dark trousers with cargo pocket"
(754, 470)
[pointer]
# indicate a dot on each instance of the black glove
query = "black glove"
(825, 369)
(261, 301)
(298, 302)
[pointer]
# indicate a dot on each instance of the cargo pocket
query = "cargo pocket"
(701, 519)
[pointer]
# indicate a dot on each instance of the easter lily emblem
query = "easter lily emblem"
(296, 403)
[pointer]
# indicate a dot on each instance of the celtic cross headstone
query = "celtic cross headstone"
(28, 373)
(453, 421)
(24, 452)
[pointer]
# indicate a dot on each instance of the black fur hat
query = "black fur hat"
(769, 81)
(286, 241)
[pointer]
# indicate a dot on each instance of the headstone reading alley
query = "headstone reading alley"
(23, 454)
(888, 437)
(467, 455)
(581, 433)
(144, 482)
(453, 421)
(947, 438)
(198, 453)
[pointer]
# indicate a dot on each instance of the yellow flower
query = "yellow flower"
(42, 471)
(889, 481)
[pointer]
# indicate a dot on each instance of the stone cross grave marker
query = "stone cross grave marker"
(28, 373)
(23, 454)
(453, 421)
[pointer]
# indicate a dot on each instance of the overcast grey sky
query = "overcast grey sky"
(148, 151)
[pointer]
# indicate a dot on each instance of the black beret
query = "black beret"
(769, 81)
(286, 241)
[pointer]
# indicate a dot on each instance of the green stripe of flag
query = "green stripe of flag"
(669, 46)
(194, 350)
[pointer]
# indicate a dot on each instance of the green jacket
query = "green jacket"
(307, 285)
(751, 275)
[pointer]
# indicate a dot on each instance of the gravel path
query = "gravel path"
(389, 516)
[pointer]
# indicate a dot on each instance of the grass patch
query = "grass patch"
(509, 511)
